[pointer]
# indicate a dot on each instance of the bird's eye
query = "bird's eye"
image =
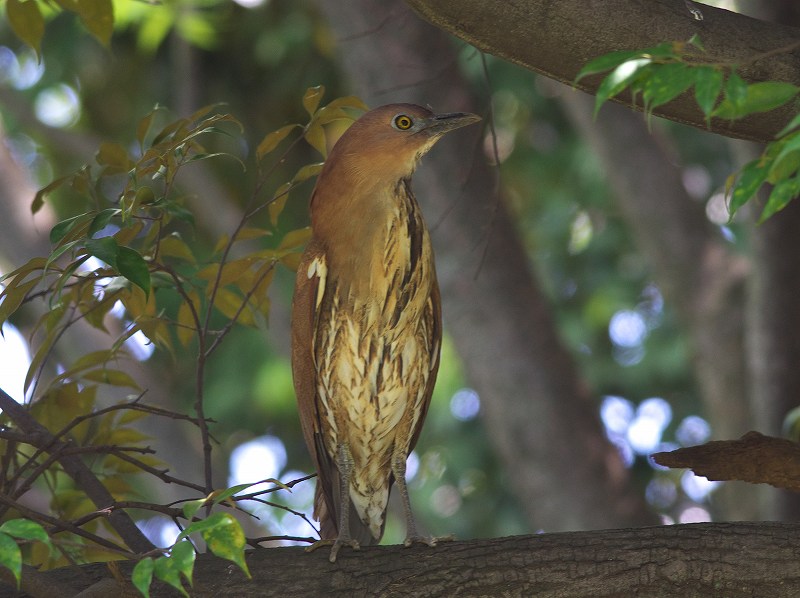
(403, 122)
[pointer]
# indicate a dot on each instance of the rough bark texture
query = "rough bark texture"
(687, 561)
(558, 37)
(492, 305)
(753, 458)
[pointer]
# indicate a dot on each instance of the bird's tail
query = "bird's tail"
(329, 517)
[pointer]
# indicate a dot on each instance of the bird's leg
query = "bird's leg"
(344, 463)
(412, 535)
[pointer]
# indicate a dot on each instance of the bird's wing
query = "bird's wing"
(432, 318)
(310, 284)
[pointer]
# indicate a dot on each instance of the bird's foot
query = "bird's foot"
(335, 546)
(427, 540)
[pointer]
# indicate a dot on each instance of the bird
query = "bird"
(366, 322)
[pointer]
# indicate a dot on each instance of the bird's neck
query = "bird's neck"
(371, 237)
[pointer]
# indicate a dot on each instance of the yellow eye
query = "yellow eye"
(403, 122)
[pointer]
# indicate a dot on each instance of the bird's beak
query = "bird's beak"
(439, 124)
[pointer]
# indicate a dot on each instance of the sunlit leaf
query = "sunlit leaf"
(168, 571)
(187, 326)
(758, 97)
(112, 378)
(226, 539)
(11, 556)
(142, 576)
(173, 246)
(26, 21)
(793, 124)
(191, 507)
(620, 78)
(787, 160)
(707, 87)
(183, 555)
(278, 202)
(751, 177)
(606, 62)
(295, 239)
(312, 98)
(782, 193)
(273, 139)
(315, 136)
(96, 15)
(25, 529)
(664, 84)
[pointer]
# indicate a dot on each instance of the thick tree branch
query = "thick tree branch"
(732, 560)
(557, 39)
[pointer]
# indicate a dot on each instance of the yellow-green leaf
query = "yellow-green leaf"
(296, 238)
(111, 377)
(10, 556)
(312, 98)
(26, 21)
(273, 139)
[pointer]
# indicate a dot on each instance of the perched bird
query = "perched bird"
(366, 322)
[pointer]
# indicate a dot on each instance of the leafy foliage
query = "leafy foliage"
(663, 72)
(129, 247)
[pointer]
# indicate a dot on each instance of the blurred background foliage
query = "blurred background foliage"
(257, 57)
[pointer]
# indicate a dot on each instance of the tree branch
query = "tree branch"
(557, 39)
(78, 471)
(699, 560)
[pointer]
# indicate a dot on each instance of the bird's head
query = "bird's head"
(385, 144)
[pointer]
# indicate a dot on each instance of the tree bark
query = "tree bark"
(540, 417)
(557, 39)
(682, 561)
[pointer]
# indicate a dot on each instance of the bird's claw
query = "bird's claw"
(338, 543)
(428, 541)
(335, 546)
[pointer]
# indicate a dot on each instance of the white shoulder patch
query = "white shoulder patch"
(318, 268)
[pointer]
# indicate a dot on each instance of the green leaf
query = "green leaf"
(786, 161)
(167, 570)
(307, 171)
(295, 239)
(606, 62)
(226, 540)
(312, 98)
(272, 140)
(11, 556)
(793, 124)
(782, 193)
(60, 230)
(104, 249)
(751, 177)
(142, 576)
(183, 556)
(132, 266)
(25, 529)
(101, 220)
(191, 507)
(26, 21)
(758, 97)
(707, 87)
(665, 82)
(620, 78)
